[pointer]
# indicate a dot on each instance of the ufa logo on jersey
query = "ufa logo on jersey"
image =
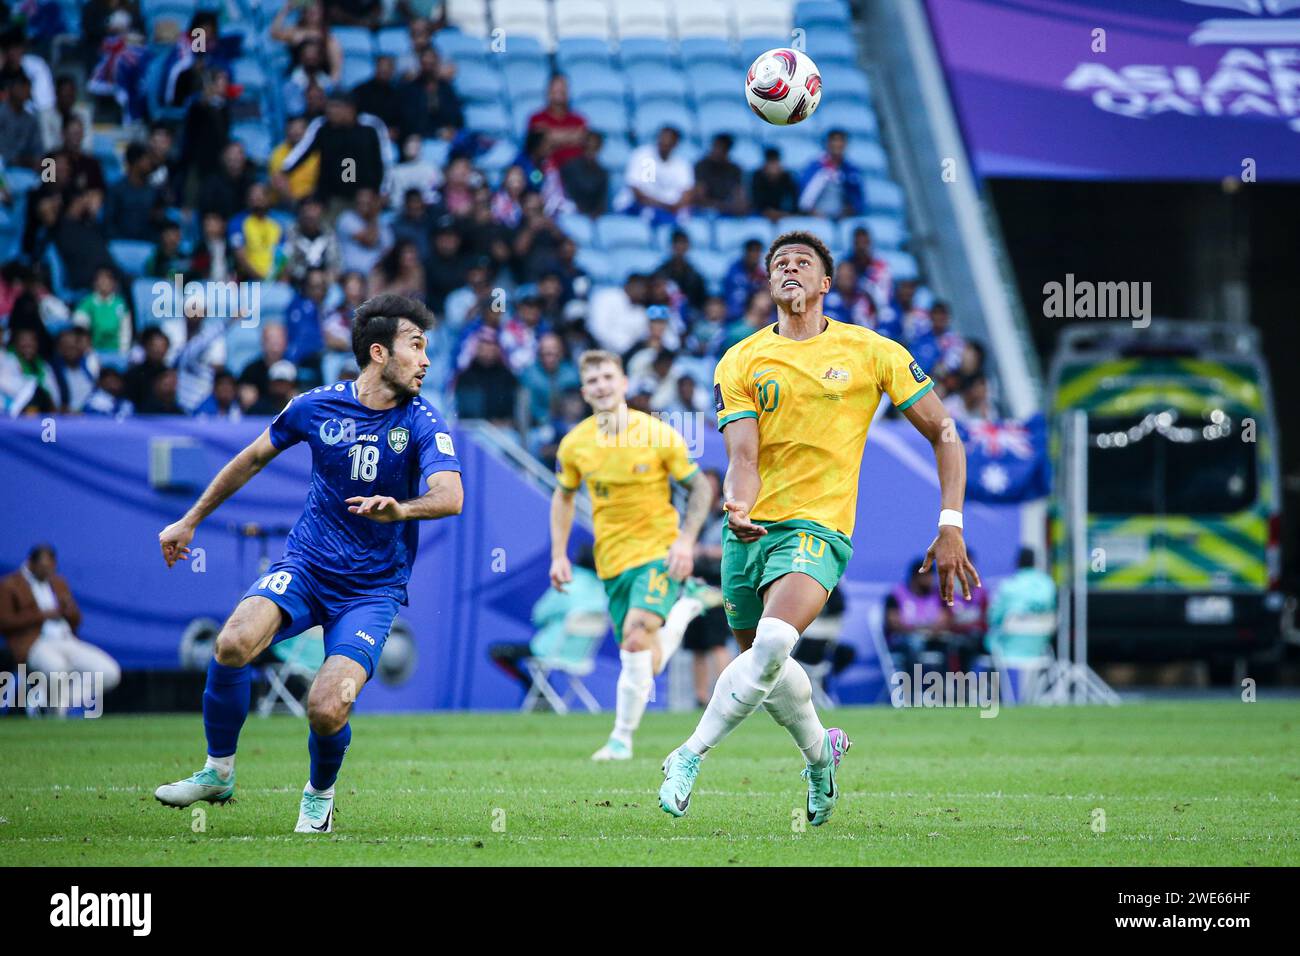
(398, 439)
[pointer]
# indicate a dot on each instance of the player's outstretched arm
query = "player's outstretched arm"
(446, 496)
(681, 556)
(742, 484)
(175, 538)
(948, 550)
(563, 505)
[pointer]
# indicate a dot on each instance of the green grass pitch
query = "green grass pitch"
(1178, 783)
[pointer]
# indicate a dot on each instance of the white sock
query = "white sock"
(635, 682)
(670, 635)
(745, 683)
(224, 766)
(318, 793)
(790, 704)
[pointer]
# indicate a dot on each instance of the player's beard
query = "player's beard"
(402, 382)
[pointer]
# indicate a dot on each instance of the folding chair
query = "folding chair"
(300, 656)
(584, 632)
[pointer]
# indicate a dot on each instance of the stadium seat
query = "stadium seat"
(276, 297)
(470, 16)
(796, 152)
(571, 51)
(713, 265)
(356, 70)
(887, 232)
(882, 194)
(840, 82)
(628, 261)
(642, 20)
(394, 42)
(606, 117)
(614, 153)
(759, 17)
(660, 85)
(354, 41)
(646, 53)
(577, 227)
(727, 116)
(522, 18)
(458, 47)
(479, 82)
(831, 46)
(903, 265)
(596, 264)
(702, 18)
(525, 78)
(699, 229)
(242, 345)
(856, 119)
(822, 228)
(653, 116)
(497, 159)
(435, 151)
(697, 51)
(130, 255)
(587, 82)
(732, 234)
(490, 119)
(142, 302)
(256, 139)
(522, 110)
(751, 47)
(811, 14)
(524, 49)
(747, 154)
(622, 232)
(868, 155)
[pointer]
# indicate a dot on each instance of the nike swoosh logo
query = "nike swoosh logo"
(739, 701)
(322, 828)
(682, 804)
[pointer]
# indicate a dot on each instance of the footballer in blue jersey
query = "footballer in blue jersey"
(382, 459)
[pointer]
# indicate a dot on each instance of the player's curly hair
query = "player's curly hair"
(376, 321)
(799, 237)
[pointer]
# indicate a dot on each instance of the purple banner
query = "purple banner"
(1125, 89)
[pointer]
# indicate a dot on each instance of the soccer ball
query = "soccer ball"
(783, 87)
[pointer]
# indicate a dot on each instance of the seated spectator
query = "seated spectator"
(873, 272)
(74, 369)
(468, 303)
(746, 276)
(255, 237)
(657, 183)
(337, 328)
(293, 187)
(585, 180)
(351, 149)
(846, 300)
(303, 321)
(167, 259)
(307, 68)
(104, 312)
(773, 192)
(275, 343)
(400, 271)
(109, 397)
(1022, 616)
(906, 317)
(41, 621)
(133, 208)
(378, 95)
(213, 259)
(932, 341)
(19, 62)
(460, 181)
(678, 269)
(311, 25)
(915, 618)
(80, 241)
(576, 282)
(550, 298)
(54, 122)
(282, 385)
(486, 387)
(617, 318)
(414, 223)
(162, 397)
(759, 312)
(719, 182)
(226, 190)
(147, 365)
(687, 397)
(547, 379)
(163, 175)
(707, 330)
(537, 240)
(363, 236)
(447, 266)
(82, 170)
(640, 358)
(970, 404)
(25, 378)
(414, 174)
(311, 244)
(565, 130)
(519, 332)
(223, 403)
(507, 207)
(831, 185)
(20, 131)
(484, 237)
(354, 13)
(205, 134)
(430, 105)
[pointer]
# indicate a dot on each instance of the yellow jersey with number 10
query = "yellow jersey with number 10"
(627, 477)
(814, 400)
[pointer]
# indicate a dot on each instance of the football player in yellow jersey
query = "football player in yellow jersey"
(794, 401)
(626, 458)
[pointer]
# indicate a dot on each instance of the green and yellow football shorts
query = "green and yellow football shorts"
(646, 586)
(788, 546)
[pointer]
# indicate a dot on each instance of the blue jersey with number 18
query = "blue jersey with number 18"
(360, 451)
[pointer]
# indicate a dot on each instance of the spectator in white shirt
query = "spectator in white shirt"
(657, 183)
(617, 317)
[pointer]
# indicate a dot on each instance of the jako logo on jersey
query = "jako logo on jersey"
(398, 439)
(366, 637)
(333, 431)
(916, 372)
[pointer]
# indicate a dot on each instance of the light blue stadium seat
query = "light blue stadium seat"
(645, 53)
(797, 151)
(274, 304)
(596, 264)
(614, 152)
(712, 81)
(622, 232)
(697, 52)
(356, 70)
(394, 42)
(652, 116)
(840, 82)
(711, 264)
(178, 11)
(882, 194)
(479, 82)
(887, 232)
(142, 302)
(903, 265)
(526, 78)
(855, 118)
(243, 345)
(435, 151)
(354, 41)
(732, 234)
(667, 85)
(811, 14)
(831, 46)
(578, 228)
(521, 48)
(250, 74)
(627, 261)
(605, 116)
(823, 228)
(130, 255)
(699, 229)
(497, 159)
(521, 111)
(752, 47)
(728, 116)
(588, 82)
(256, 139)
(868, 155)
(747, 154)
(488, 118)
(573, 51)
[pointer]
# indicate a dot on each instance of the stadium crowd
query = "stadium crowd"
(499, 259)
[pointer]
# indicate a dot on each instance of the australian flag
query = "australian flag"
(120, 74)
(1006, 462)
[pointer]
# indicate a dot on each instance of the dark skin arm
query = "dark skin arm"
(681, 556)
(948, 550)
(742, 484)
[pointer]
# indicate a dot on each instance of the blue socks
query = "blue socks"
(225, 706)
(327, 757)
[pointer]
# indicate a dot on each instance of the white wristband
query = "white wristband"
(949, 517)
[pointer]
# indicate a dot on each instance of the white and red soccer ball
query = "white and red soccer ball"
(783, 87)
